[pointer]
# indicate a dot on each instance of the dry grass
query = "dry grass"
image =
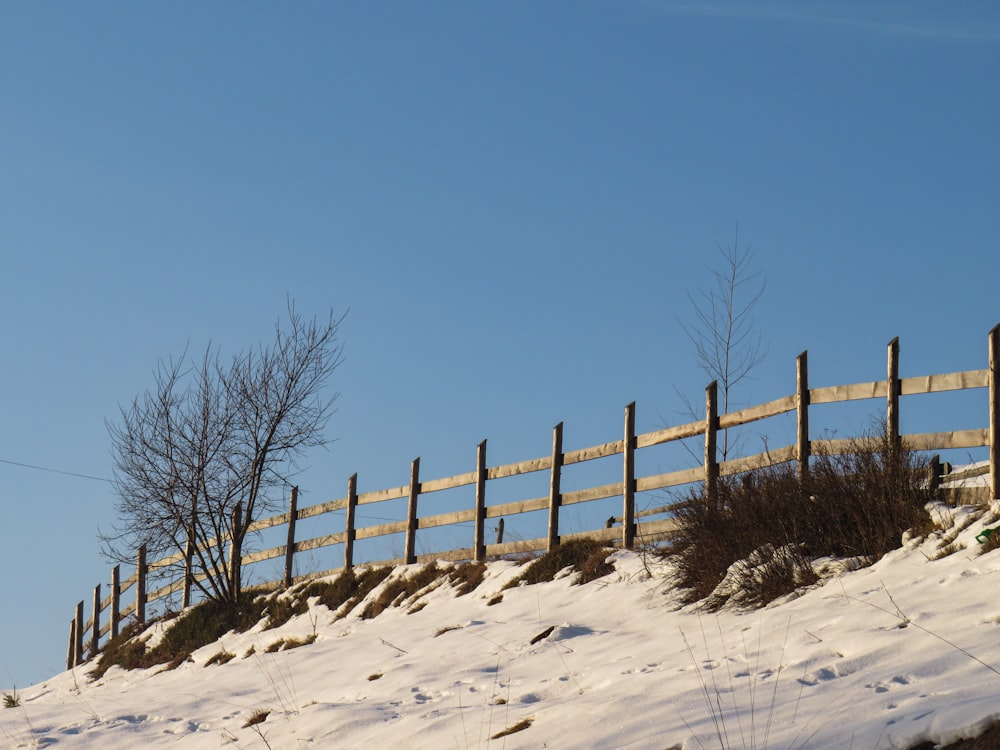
(992, 542)
(400, 589)
(287, 644)
(257, 717)
(587, 557)
(222, 657)
(467, 577)
(349, 588)
(519, 727)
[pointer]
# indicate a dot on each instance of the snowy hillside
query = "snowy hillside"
(881, 657)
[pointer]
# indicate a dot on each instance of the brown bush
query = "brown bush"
(768, 524)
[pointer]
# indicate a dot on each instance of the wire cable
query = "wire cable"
(54, 471)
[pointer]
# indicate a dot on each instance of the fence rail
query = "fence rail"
(631, 524)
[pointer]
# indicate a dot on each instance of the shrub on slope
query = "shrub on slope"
(764, 526)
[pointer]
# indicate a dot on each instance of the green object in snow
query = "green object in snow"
(983, 535)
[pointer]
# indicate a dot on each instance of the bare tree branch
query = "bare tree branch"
(210, 437)
(726, 341)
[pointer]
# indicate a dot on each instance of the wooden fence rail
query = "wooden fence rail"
(87, 635)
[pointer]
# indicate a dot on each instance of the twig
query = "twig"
(818, 639)
(390, 645)
(777, 679)
(899, 614)
(263, 738)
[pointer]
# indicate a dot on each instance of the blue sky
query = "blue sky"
(513, 200)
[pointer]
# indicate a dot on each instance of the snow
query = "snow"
(905, 650)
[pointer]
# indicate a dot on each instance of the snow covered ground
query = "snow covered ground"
(882, 657)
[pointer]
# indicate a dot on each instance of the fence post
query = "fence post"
(480, 540)
(352, 505)
(116, 601)
(934, 470)
(95, 632)
(188, 572)
(555, 491)
(235, 551)
(293, 514)
(78, 636)
(711, 442)
(628, 480)
(141, 569)
(994, 411)
(411, 513)
(70, 650)
(802, 406)
(892, 396)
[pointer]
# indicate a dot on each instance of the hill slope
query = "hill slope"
(904, 651)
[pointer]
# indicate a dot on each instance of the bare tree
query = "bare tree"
(727, 343)
(211, 447)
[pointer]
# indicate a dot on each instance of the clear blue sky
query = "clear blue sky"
(513, 200)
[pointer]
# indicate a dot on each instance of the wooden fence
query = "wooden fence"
(631, 524)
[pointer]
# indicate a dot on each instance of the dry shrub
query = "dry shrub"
(764, 575)
(863, 500)
(751, 513)
(765, 526)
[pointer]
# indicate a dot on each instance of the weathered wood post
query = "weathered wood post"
(71, 648)
(235, 551)
(934, 471)
(802, 447)
(711, 443)
(555, 491)
(78, 636)
(141, 570)
(892, 396)
(95, 631)
(349, 532)
(189, 549)
(188, 569)
(480, 539)
(411, 513)
(116, 601)
(994, 379)
(293, 514)
(628, 479)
